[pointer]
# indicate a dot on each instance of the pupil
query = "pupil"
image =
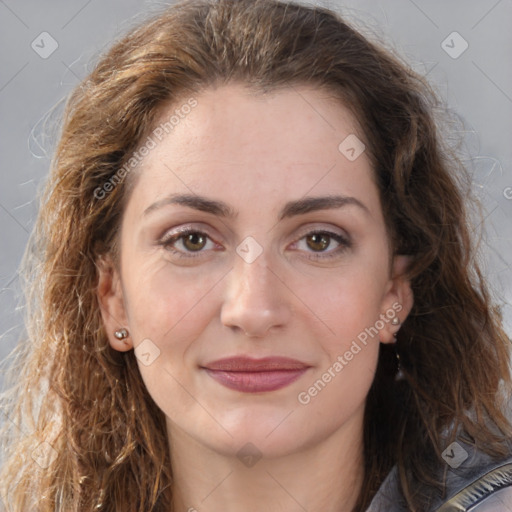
(321, 241)
(195, 239)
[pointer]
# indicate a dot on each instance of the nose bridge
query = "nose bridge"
(254, 272)
(251, 269)
(254, 282)
(255, 299)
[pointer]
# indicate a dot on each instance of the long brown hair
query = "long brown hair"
(83, 433)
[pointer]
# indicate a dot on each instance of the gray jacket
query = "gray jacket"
(474, 483)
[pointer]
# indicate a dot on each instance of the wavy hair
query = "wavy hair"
(83, 433)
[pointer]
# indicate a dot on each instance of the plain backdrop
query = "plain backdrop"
(463, 46)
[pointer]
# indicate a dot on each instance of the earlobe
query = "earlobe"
(112, 305)
(399, 299)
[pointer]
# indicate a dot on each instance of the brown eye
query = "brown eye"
(322, 245)
(194, 241)
(318, 241)
(188, 243)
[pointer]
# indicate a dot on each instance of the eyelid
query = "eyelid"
(322, 228)
(344, 243)
(172, 236)
(184, 229)
(177, 234)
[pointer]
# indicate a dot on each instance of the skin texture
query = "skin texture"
(256, 153)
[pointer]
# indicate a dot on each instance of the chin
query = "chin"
(270, 435)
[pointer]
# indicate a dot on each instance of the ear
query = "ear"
(398, 298)
(112, 303)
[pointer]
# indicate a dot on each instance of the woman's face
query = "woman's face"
(267, 270)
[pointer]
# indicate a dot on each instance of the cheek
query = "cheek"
(350, 307)
(168, 313)
(338, 391)
(170, 305)
(348, 302)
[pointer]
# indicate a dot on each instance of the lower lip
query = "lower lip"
(255, 382)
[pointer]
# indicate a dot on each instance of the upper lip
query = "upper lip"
(248, 364)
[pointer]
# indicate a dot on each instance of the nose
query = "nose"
(256, 299)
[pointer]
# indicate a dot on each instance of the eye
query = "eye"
(191, 241)
(320, 241)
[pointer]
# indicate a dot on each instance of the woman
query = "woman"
(253, 287)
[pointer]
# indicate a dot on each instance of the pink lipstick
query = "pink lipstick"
(255, 375)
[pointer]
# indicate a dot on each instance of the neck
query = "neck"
(323, 477)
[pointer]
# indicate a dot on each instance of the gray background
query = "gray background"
(477, 86)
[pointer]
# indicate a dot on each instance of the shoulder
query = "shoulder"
(490, 492)
(483, 486)
(500, 501)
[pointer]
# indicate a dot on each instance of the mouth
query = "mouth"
(255, 375)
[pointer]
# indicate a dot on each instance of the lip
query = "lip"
(255, 375)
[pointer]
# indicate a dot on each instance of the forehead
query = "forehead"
(235, 142)
(257, 122)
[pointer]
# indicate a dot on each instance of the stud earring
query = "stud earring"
(121, 334)
(395, 321)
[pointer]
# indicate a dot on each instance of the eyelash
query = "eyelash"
(168, 240)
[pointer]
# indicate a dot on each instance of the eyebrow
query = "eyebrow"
(290, 209)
